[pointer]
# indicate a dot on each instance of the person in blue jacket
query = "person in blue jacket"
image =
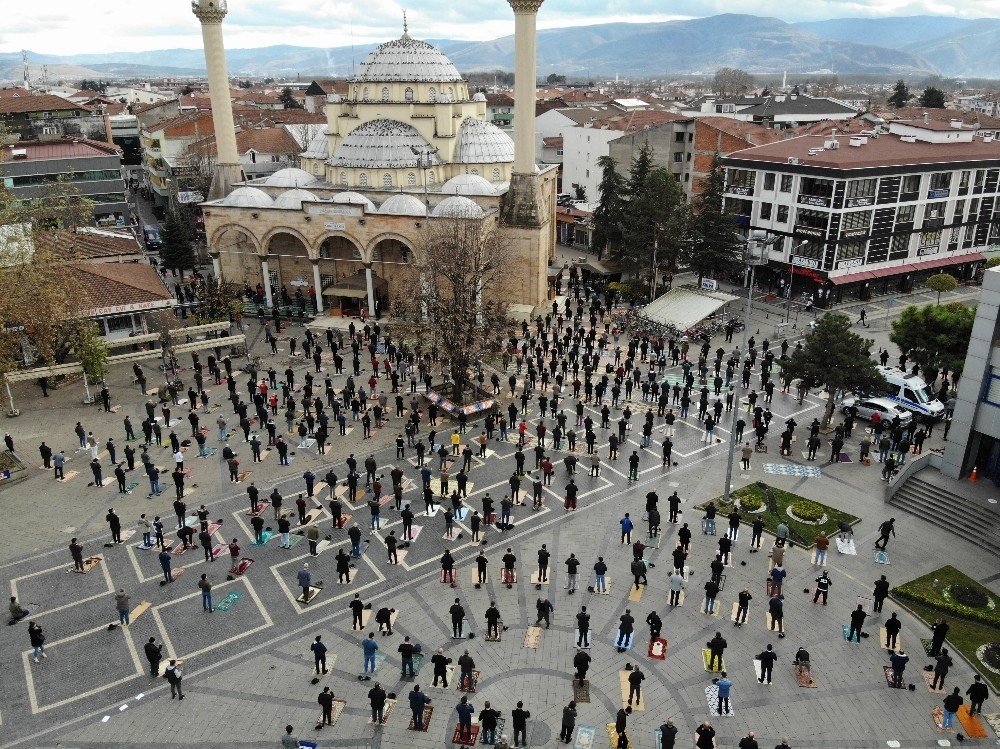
(465, 713)
(370, 647)
(724, 685)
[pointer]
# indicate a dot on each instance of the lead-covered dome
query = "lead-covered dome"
(402, 204)
(247, 197)
(383, 144)
(468, 184)
(293, 199)
(481, 142)
(458, 206)
(407, 60)
(290, 177)
(349, 197)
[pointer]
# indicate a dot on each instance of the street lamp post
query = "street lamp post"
(423, 163)
(656, 247)
(762, 240)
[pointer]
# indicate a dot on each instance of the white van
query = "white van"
(910, 391)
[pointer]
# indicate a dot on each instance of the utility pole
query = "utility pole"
(762, 240)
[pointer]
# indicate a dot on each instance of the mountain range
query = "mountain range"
(912, 45)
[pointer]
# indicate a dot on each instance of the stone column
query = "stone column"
(267, 283)
(371, 289)
(216, 266)
(318, 285)
(227, 169)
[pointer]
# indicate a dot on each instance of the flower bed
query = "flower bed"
(806, 511)
(942, 596)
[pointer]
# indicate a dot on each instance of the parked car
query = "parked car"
(151, 238)
(885, 408)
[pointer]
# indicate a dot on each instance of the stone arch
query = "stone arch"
(216, 239)
(328, 239)
(390, 253)
(268, 238)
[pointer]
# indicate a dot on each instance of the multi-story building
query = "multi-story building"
(873, 213)
(93, 168)
(44, 116)
(779, 111)
(500, 110)
(166, 154)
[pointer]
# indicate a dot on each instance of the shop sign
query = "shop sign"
(854, 262)
(805, 262)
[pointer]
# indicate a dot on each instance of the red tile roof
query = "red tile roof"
(13, 91)
(61, 149)
(751, 132)
(109, 285)
(39, 103)
(85, 245)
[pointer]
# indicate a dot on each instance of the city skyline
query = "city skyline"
(61, 28)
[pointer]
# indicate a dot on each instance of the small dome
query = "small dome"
(293, 199)
(383, 144)
(402, 204)
(479, 96)
(317, 146)
(458, 207)
(482, 142)
(407, 60)
(247, 197)
(333, 98)
(290, 177)
(468, 184)
(349, 197)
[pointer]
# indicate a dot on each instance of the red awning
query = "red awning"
(898, 270)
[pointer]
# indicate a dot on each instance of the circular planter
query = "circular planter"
(797, 519)
(990, 604)
(981, 656)
(759, 510)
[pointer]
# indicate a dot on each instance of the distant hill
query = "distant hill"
(915, 45)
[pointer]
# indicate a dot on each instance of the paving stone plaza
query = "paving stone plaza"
(247, 666)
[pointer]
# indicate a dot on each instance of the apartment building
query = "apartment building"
(871, 213)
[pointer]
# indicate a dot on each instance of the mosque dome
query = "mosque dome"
(349, 197)
(293, 199)
(457, 206)
(382, 144)
(402, 204)
(468, 184)
(247, 197)
(479, 96)
(291, 177)
(481, 142)
(407, 60)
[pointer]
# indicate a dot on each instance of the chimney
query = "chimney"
(927, 118)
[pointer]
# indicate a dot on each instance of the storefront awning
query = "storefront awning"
(898, 270)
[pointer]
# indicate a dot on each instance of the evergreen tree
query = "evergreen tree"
(837, 358)
(609, 214)
(177, 252)
(900, 95)
(714, 246)
(287, 100)
(932, 98)
(654, 222)
(935, 337)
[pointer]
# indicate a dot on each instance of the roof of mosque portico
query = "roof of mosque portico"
(407, 60)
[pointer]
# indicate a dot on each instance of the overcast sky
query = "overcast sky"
(72, 26)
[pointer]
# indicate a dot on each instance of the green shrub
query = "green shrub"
(806, 510)
(969, 595)
(750, 503)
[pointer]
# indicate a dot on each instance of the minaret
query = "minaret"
(227, 169)
(520, 206)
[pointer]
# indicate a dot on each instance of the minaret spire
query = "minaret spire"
(406, 31)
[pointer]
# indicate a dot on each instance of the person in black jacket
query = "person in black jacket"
(767, 659)
(858, 617)
(978, 693)
(951, 704)
(716, 647)
(154, 653)
(441, 663)
(519, 717)
(568, 723)
(325, 701)
(668, 735)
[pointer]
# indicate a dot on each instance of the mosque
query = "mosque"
(408, 146)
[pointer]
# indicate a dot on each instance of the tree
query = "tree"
(837, 358)
(218, 300)
(935, 337)
(553, 78)
(941, 282)
(900, 95)
(654, 220)
(609, 215)
(454, 302)
(932, 98)
(177, 252)
(731, 82)
(713, 245)
(90, 348)
(287, 100)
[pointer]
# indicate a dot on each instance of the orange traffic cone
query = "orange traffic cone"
(974, 476)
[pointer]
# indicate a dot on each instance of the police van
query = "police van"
(909, 391)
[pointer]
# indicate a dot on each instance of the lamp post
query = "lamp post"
(423, 163)
(656, 247)
(791, 278)
(761, 240)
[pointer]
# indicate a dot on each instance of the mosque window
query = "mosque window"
(496, 175)
(432, 94)
(367, 93)
(385, 93)
(363, 180)
(451, 92)
(408, 94)
(343, 178)
(430, 178)
(355, 93)
(387, 180)
(411, 180)
(474, 171)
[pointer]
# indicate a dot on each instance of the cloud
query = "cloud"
(70, 27)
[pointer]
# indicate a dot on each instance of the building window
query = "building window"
(367, 93)
(343, 178)
(861, 192)
(476, 172)
(786, 183)
(811, 249)
(812, 219)
(905, 214)
(856, 220)
(408, 94)
(496, 175)
(678, 157)
(940, 181)
(363, 180)
(963, 182)
(900, 247)
(411, 180)
(850, 251)
(387, 180)
(432, 94)
(385, 93)
(930, 239)
(769, 181)
(678, 137)
(431, 179)
(959, 214)
(992, 390)
(910, 187)
(782, 214)
(765, 211)
(741, 181)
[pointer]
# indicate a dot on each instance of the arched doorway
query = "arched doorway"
(340, 264)
(239, 255)
(289, 267)
(392, 260)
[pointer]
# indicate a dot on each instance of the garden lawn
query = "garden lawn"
(970, 627)
(802, 533)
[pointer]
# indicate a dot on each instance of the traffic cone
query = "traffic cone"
(974, 476)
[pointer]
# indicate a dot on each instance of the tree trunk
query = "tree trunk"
(830, 407)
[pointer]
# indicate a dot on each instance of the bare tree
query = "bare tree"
(731, 82)
(454, 300)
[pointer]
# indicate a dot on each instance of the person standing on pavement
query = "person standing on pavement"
(977, 693)
(325, 700)
(154, 654)
(206, 594)
(885, 530)
(941, 665)
(951, 704)
(288, 741)
(767, 658)
(418, 702)
(122, 606)
(174, 677)
(724, 685)
(568, 723)
(823, 583)
(519, 718)
(898, 661)
(858, 617)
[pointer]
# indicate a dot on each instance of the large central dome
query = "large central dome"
(407, 60)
